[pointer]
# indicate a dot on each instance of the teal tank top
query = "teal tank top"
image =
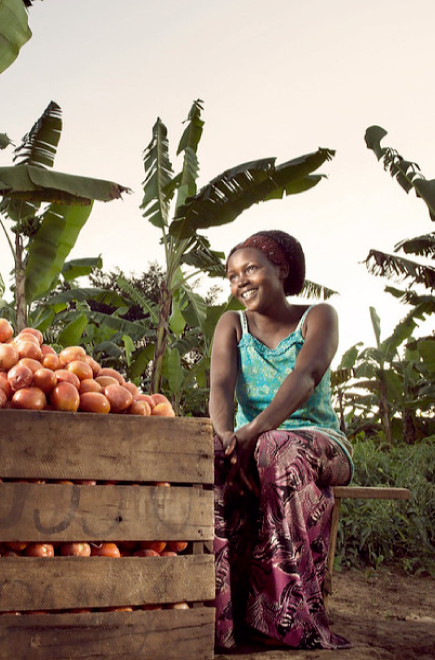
(261, 371)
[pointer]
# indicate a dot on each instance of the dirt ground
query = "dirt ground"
(386, 615)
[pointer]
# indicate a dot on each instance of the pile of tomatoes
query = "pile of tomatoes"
(34, 376)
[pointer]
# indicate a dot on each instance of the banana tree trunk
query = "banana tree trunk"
(162, 336)
(384, 410)
(20, 281)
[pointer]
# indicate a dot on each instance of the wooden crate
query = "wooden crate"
(137, 452)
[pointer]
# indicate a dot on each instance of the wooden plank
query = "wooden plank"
(155, 635)
(369, 493)
(62, 512)
(35, 583)
(57, 445)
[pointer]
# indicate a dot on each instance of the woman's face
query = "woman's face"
(255, 281)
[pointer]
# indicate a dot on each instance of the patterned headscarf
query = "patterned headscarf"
(282, 250)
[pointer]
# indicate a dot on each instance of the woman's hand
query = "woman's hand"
(239, 448)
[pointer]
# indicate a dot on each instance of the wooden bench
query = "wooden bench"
(354, 492)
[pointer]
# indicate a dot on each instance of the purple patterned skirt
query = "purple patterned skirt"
(271, 550)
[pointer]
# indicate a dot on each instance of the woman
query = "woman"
(276, 463)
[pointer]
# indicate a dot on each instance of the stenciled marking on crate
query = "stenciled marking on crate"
(68, 509)
(51, 509)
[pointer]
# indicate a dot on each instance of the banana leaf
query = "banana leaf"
(14, 31)
(34, 183)
(51, 245)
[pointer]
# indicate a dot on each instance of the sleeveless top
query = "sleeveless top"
(261, 370)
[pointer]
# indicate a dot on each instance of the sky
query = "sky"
(278, 79)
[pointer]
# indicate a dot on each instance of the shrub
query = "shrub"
(374, 531)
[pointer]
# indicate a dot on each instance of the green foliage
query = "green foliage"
(44, 234)
(14, 31)
(375, 531)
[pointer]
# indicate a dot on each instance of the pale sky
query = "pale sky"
(278, 78)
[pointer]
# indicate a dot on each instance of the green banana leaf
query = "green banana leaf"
(80, 267)
(223, 199)
(51, 245)
(34, 183)
(14, 31)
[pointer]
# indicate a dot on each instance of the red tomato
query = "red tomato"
(71, 353)
(120, 398)
(80, 368)
(75, 549)
(139, 408)
(89, 385)
(19, 376)
(105, 550)
(6, 330)
(33, 365)
(40, 550)
(107, 371)
(177, 546)
(29, 398)
(29, 349)
(63, 375)
(158, 546)
(8, 356)
(45, 379)
(94, 402)
(65, 396)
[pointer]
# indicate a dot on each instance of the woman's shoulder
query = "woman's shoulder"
(229, 323)
(322, 314)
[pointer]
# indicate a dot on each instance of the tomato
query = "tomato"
(35, 332)
(63, 375)
(80, 368)
(96, 367)
(45, 379)
(75, 549)
(33, 365)
(29, 349)
(94, 402)
(160, 398)
(40, 550)
(8, 356)
(3, 399)
(168, 553)
(26, 336)
(6, 330)
(46, 349)
(163, 410)
(177, 546)
(131, 387)
(158, 546)
(107, 371)
(120, 398)
(29, 398)
(65, 396)
(146, 552)
(51, 361)
(16, 546)
(105, 550)
(144, 397)
(139, 408)
(89, 385)
(19, 376)
(104, 381)
(71, 353)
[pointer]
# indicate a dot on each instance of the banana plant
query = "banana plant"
(14, 30)
(173, 203)
(48, 209)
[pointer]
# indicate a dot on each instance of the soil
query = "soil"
(386, 615)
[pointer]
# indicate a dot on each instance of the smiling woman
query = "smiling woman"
(276, 465)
